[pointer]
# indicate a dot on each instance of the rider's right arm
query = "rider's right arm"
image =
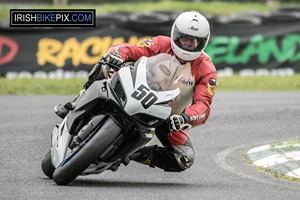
(132, 52)
(129, 53)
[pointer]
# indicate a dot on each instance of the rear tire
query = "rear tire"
(47, 166)
(85, 156)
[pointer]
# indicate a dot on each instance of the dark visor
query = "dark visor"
(198, 42)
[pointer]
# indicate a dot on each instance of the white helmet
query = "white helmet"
(193, 27)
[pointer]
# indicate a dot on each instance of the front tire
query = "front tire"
(82, 158)
(47, 165)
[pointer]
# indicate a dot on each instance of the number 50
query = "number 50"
(147, 98)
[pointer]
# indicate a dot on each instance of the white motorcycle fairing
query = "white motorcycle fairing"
(129, 107)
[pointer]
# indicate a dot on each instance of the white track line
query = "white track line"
(295, 173)
(265, 147)
(221, 158)
(257, 149)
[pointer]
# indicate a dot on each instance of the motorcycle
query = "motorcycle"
(113, 118)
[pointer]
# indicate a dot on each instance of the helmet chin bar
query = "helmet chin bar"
(184, 55)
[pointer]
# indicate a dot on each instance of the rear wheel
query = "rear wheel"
(47, 166)
(87, 152)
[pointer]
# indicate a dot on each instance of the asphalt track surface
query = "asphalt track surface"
(239, 121)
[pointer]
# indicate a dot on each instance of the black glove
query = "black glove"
(180, 122)
(113, 58)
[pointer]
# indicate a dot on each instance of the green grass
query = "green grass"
(215, 7)
(279, 175)
(34, 86)
(72, 86)
(257, 83)
(287, 143)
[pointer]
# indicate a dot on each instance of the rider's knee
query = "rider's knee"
(185, 156)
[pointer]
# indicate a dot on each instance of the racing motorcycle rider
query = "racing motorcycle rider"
(189, 37)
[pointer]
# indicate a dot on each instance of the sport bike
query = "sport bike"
(113, 118)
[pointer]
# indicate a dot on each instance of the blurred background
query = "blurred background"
(249, 37)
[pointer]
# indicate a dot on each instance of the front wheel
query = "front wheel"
(47, 165)
(91, 149)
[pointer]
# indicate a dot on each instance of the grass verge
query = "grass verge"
(289, 145)
(259, 83)
(279, 175)
(35, 86)
(274, 173)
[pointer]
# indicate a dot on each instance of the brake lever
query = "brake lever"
(115, 67)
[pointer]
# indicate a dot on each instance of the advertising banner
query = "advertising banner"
(237, 43)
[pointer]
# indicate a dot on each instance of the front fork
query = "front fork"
(127, 143)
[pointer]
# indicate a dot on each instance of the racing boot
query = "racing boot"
(63, 110)
(143, 155)
(160, 157)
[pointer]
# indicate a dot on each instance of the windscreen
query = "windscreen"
(162, 72)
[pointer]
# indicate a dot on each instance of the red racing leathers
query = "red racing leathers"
(198, 83)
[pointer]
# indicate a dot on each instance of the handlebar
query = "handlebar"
(115, 67)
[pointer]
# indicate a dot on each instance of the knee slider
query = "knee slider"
(184, 155)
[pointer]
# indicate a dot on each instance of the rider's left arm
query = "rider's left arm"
(204, 92)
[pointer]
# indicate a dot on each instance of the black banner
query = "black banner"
(246, 41)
